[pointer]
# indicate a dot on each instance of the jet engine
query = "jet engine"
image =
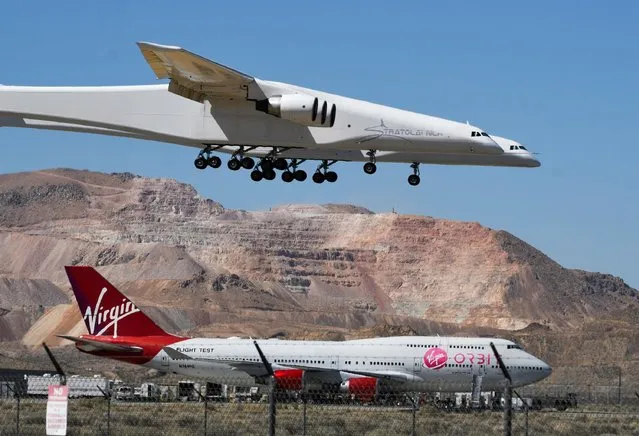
(289, 379)
(299, 108)
(363, 388)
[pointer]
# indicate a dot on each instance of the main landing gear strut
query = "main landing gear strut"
(322, 173)
(268, 164)
(292, 173)
(238, 160)
(205, 159)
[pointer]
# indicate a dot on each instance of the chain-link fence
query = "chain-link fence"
(170, 405)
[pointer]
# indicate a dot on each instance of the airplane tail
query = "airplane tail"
(105, 310)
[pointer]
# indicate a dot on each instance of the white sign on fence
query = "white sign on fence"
(57, 410)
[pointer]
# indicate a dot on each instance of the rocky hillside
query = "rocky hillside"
(329, 271)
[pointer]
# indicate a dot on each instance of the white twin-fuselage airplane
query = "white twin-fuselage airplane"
(216, 108)
(119, 330)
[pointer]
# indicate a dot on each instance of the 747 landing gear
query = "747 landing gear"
(370, 167)
(413, 179)
(322, 172)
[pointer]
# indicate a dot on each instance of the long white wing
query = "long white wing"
(193, 76)
(256, 368)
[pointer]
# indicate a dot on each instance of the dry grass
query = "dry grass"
(89, 417)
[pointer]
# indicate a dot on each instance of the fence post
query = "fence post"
(58, 368)
(107, 396)
(271, 392)
(206, 415)
(304, 402)
(508, 394)
(525, 411)
(16, 394)
(271, 406)
(18, 415)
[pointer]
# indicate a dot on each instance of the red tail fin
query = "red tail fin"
(105, 310)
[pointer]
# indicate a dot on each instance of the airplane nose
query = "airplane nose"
(546, 370)
(535, 162)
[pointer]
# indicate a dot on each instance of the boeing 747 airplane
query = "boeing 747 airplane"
(119, 330)
(218, 109)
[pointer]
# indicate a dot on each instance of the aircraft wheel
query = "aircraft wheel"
(269, 175)
(331, 176)
(288, 176)
(234, 164)
(300, 175)
(413, 180)
(247, 163)
(318, 177)
(200, 163)
(280, 164)
(214, 162)
(266, 165)
(256, 175)
(370, 168)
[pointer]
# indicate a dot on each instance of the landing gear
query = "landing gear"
(370, 167)
(300, 175)
(256, 175)
(414, 179)
(318, 177)
(214, 162)
(288, 176)
(238, 160)
(280, 164)
(269, 175)
(200, 163)
(234, 164)
(322, 173)
(204, 159)
(247, 163)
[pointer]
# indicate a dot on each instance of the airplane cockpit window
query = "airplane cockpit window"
(521, 147)
(475, 133)
(515, 346)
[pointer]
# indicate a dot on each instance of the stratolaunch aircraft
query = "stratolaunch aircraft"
(216, 108)
(119, 330)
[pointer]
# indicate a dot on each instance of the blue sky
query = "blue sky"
(560, 77)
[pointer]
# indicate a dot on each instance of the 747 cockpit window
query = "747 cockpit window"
(518, 147)
(515, 346)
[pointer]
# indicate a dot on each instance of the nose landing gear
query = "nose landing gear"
(414, 179)
(370, 167)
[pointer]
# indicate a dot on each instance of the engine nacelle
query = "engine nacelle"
(363, 388)
(289, 379)
(299, 108)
